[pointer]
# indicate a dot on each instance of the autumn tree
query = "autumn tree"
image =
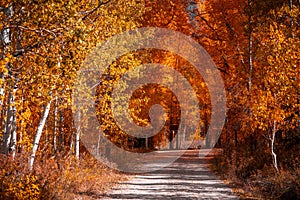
(254, 45)
(43, 45)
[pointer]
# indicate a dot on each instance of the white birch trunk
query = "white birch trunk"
(8, 125)
(6, 34)
(20, 147)
(14, 133)
(274, 129)
(38, 135)
(11, 124)
(10, 130)
(72, 143)
(78, 135)
(6, 41)
(55, 128)
(250, 49)
(2, 90)
(250, 60)
(98, 146)
(272, 146)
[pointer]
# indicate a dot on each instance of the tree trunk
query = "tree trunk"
(227, 135)
(10, 134)
(250, 50)
(78, 135)
(61, 138)
(9, 123)
(291, 7)
(20, 146)
(272, 138)
(272, 146)
(98, 145)
(14, 133)
(6, 40)
(72, 143)
(250, 61)
(2, 90)
(38, 135)
(55, 127)
(7, 32)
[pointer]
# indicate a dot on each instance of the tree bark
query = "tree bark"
(78, 135)
(2, 90)
(250, 60)
(38, 135)
(14, 133)
(250, 48)
(8, 129)
(20, 146)
(272, 146)
(6, 41)
(98, 145)
(55, 127)
(61, 138)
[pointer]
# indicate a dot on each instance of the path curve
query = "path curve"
(187, 178)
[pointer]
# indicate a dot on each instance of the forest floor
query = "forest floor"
(188, 177)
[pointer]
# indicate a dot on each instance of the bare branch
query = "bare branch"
(100, 3)
(26, 49)
(209, 26)
(39, 30)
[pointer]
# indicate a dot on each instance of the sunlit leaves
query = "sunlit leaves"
(278, 69)
(49, 42)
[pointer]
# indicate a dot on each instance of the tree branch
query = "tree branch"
(39, 30)
(26, 49)
(100, 3)
(209, 26)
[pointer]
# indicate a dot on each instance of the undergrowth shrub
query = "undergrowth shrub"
(255, 174)
(16, 181)
(283, 185)
(60, 177)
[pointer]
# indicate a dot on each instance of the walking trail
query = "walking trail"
(187, 178)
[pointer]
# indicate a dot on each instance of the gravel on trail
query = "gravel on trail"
(187, 178)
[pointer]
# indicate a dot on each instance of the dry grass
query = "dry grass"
(255, 182)
(60, 177)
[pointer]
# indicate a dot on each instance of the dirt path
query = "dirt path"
(187, 178)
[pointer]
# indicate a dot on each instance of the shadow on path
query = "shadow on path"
(187, 178)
